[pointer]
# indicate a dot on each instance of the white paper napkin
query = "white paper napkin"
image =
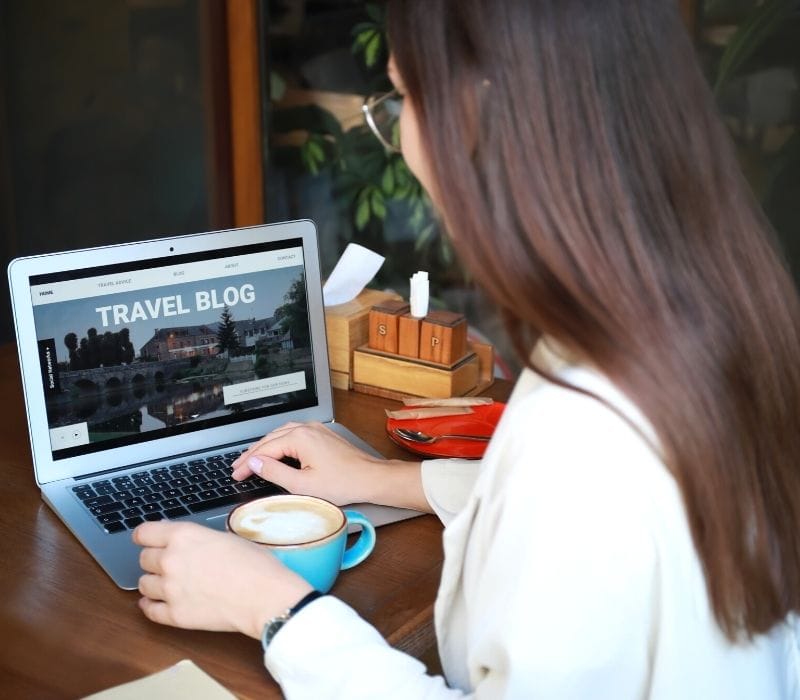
(357, 266)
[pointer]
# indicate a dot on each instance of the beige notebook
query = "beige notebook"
(183, 681)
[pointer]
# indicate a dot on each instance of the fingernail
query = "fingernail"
(255, 464)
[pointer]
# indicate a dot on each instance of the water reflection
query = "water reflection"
(140, 407)
(131, 410)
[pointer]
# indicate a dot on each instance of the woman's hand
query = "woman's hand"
(199, 578)
(331, 468)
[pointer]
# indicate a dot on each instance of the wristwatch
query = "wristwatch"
(274, 625)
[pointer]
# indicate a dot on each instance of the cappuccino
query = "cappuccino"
(287, 520)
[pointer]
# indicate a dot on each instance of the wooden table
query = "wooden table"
(67, 631)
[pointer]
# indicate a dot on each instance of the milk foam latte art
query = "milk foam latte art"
(287, 521)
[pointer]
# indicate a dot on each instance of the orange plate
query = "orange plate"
(482, 421)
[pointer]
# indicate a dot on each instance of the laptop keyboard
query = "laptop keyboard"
(196, 485)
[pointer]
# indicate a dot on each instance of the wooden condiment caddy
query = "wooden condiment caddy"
(430, 357)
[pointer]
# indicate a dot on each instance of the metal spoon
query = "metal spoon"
(425, 439)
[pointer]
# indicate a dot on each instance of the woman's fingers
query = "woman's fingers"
(150, 560)
(152, 586)
(156, 611)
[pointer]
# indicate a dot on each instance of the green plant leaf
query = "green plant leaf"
(751, 33)
(423, 238)
(387, 181)
(363, 38)
(308, 159)
(277, 86)
(315, 150)
(362, 214)
(378, 204)
(371, 51)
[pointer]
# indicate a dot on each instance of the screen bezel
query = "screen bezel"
(20, 270)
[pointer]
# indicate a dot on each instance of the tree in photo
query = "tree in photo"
(294, 314)
(227, 337)
(71, 341)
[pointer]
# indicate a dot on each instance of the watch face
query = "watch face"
(271, 629)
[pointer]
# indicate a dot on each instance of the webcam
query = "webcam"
(171, 249)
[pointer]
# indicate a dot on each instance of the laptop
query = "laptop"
(148, 367)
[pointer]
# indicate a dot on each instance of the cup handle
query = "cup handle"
(361, 548)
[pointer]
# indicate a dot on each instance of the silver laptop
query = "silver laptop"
(148, 367)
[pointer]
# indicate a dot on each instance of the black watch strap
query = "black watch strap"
(305, 600)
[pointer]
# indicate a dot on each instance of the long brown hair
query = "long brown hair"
(591, 188)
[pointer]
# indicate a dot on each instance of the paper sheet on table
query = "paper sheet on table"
(355, 269)
(183, 681)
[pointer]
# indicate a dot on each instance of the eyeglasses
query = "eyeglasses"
(382, 114)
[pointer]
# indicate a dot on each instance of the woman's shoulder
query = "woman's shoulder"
(585, 407)
(584, 436)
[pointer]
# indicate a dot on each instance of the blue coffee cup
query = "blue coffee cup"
(308, 534)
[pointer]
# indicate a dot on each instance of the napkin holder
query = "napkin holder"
(347, 327)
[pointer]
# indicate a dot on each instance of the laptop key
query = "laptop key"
(176, 512)
(208, 494)
(97, 501)
(111, 528)
(133, 522)
(108, 518)
(104, 490)
(169, 503)
(154, 516)
(151, 507)
(107, 508)
(233, 499)
(84, 493)
(152, 497)
(130, 512)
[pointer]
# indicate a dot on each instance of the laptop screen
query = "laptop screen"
(139, 351)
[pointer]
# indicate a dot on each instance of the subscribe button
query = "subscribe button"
(261, 388)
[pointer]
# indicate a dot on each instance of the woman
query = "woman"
(632, 529)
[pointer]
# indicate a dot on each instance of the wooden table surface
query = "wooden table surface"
(67, 631)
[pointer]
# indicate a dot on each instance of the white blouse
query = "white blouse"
(569, 572)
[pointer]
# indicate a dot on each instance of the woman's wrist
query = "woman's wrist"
(396, 483)
(277, 601)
